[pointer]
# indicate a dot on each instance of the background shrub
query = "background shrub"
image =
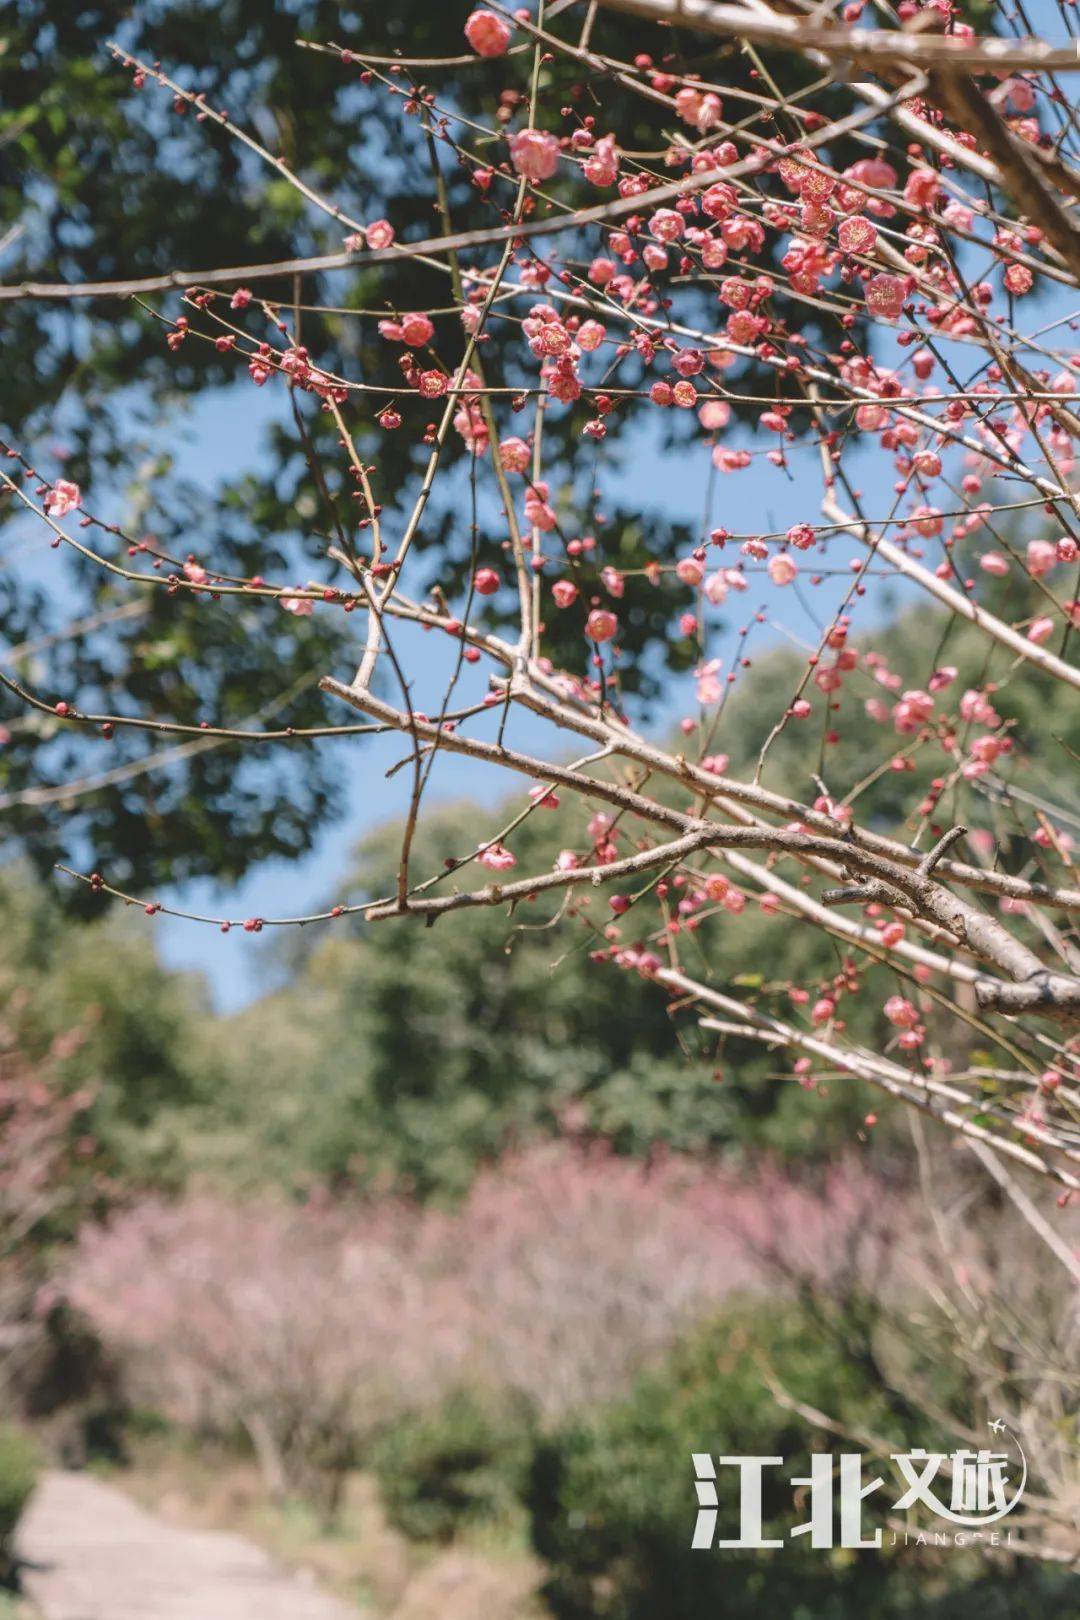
(612, 1501)
(566, 1271)
(462, 1465)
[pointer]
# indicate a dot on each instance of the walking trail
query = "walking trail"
(91, 1554)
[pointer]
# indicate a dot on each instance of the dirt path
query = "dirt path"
(91, 1554)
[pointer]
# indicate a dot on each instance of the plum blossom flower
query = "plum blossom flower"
(714, 415)
(885, 296)
(857, 235)
(901, 1013)
(914, 710)
(781, 569)
(689, 362)
(703, 111)
(667, 225)
(514, 455)
(1060, 838)
(602, 165)
(994, 562)
(63, 498)
(534, 153)
(690, 570)
(417, 329)
(601, 624)
(1042, 555)
(922, 189)
(538, 510)
(976, 706)
(988, 748)
(496, 857)
(709, 689)
(488, 34)
(301, 606)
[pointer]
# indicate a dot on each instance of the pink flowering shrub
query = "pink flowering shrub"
(305, 1328)
(581, 1266)
(562, 1274)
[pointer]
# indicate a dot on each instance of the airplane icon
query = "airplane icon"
(997, 1425)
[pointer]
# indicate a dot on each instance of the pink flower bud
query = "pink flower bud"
(488, 34)
(994, 562)
(417, 330)
(601, 624)
(901, 1013)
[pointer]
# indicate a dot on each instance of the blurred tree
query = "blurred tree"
(98, 180)
(422, 1051)
(120, 1047)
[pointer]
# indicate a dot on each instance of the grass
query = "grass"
(13, 1607)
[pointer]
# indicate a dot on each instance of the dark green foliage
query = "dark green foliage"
(613, 1502)
(90, 1008)
(453, 1469)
